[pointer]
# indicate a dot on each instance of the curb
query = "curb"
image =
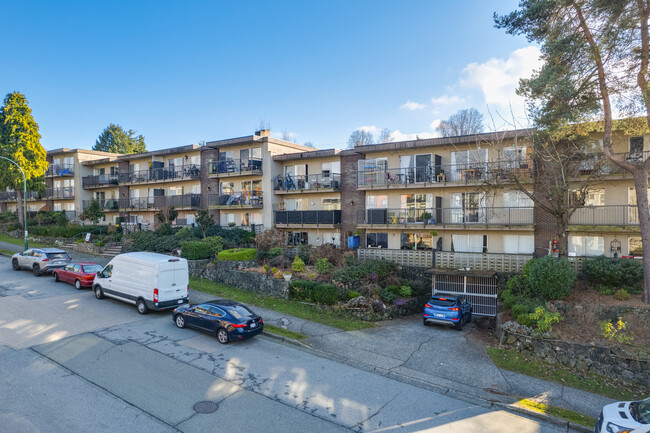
(544, 417)
(271, 336)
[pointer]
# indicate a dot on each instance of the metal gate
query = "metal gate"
(480, 288)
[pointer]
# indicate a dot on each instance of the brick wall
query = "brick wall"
(353, 201)
(208, 185)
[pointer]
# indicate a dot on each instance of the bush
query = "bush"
(405, 291)
(313, 291)
(508, 299)
(353, 294)
(298, 265)
(604, 289)
(550, 278)
(544, 319)
(79, 241)
(196, 250)
(387, 296)
(100, 243)
(517, 284)
(237, 254)
(275, 252)
(373, 270)
(232, 238)
(323, 265)
(612, 272)
(165, 230)
(519, 309)
(524, 319)
(269, 239)
(633, 290)
(622, 295)
(215, 242)
(331, 253)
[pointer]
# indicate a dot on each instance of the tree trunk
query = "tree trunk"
(19, 209)
(641, 187)
(562, 237)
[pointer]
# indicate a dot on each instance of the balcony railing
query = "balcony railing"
(312, 182)
(160, 202)
(190, 171)
(60, 170)
(236, 199)
(99, 180)
(614, 215)
(59, 193)
(505, 216)
(11, 195)
(307, 217)
(235, 166)
(451, 173)
(108, 205)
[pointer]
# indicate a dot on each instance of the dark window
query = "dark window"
(298, 238)
(217, 311)
(57, 255)
(636, 144)
(202, 309)
(76, 268)
(240, 311)
(377, 240)
(108, 271)
(92, 268)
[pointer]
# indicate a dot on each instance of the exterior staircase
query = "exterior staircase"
(111, 251)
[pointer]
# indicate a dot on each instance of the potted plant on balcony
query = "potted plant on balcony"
(426, 217)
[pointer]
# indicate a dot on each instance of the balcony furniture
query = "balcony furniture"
(440, 178)
(469, 174)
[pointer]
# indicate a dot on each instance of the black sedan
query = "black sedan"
(228, 320)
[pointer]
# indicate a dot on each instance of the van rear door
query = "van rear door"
(172, 280)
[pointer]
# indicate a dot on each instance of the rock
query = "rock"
(511, 339)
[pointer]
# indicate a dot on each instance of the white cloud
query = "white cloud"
(371, 129)
(447, 100)
(398, 135)
(435, 124)
(412, 106)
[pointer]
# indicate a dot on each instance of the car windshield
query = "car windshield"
(442, 302)
(57, 255)
(91, 268)
(640, 410)
(239, 311)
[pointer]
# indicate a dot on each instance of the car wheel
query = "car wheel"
(36, 270)
(222, 336)
(141, 306)
(15, 265)
(77, 284)
(424, 321)
(469, 318)
(459, 325)
(99, 293)
(55, 276)
(180, 321)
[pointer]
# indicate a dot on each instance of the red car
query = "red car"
(80, 274)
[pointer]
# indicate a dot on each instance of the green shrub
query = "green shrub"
(405, 291)
(298, 265)
(215, 242)
(612, 272)
(524, 319)
(266, 268)
(79, 241)
(196, 250)
(353, 294)
(165, 230)
(604, 289)
(544, 319)
(365, 270)
(274, 270)
(313, 291)
(100, 243)
(517, 284)
(550, 278)
(237, 254)
(622, 295)
(508, 299)
(232, 238)
(323, 265)
(519, 309)
(387, 296)
(275, 252)
(633, 290)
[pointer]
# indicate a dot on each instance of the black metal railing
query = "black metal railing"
(94, 181)
(12, 195)
(160, 202)
(111, 204)
(613, 215)
(60, 170)
(506, 216)
(312, 182)
(59, 193)
(189, 171)
(234, 166)
(307, 217)
(237, 199)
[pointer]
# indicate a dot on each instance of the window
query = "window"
(227, 188)
(256, 218)
(415, 205)
(636, 146)
(225, 156)
(227, 219)
(518, 244)
(635, 248)
(202, 309)
(462, 161)
(415, 168)
(468, 207)
(217, 312)
(298, 238)
(469, 243)
(331, 203)
(377, 240)
(376, 201)
(293, 204)
(331, 168)
(416, 241)
(514, 157)
(256, 153)
(296, 170)
(175, 190)
(372, 171)
(245, 219)
(516, 199)
(585, 246)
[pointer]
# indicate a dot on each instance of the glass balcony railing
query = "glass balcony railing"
(60, 170)
(505, 216)
(59, 193)
(237, 199)
(152, 175)
(235, 166)
(312, 182)
(99, 180)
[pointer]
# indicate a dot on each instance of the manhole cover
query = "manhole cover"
(206, 407)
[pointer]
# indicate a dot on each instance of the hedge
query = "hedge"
(313, 291)
(612, 272)
(550, 278)
(238, 254)
(193, 250)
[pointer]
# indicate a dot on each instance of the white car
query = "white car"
(624, 417)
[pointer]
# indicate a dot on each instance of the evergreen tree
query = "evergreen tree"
(116, 140)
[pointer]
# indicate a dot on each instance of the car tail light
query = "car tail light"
(442, 299)
(429, 306)
(454, 318)
(454, 309)
(426, 315)
(45, 260)
(188, 290)
(155, 295)
(89, 277)
(260, 320)
(238, 325)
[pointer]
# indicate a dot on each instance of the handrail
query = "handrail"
(92, 231)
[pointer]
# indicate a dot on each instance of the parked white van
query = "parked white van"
(151, 281)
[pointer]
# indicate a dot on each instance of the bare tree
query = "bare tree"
(309, 144)
(385, 136)
(464, 122)
(263, 124)
(288, 136)
(359, 137)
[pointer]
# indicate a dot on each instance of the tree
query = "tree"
(309, 144)
(93, 212)
(288, 136)
(116, 140)
(204, 220)
(596, 55)
(167, 215)
(385, 136)
(464, 122)
(359, 137)
(20, 142)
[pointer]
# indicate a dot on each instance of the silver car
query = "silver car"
(40, 260)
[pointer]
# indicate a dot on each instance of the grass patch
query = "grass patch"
(7, 252)
(569, 415)
(284, 332)
(586, 381)
(19, 241)
(335, 319)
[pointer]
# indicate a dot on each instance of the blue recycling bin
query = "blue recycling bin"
(353, 242)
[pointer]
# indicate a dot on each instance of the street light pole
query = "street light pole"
(24, 196)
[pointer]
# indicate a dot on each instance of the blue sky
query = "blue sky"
(183, 71)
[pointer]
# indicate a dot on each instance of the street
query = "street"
(70, 362)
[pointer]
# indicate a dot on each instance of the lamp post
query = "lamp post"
(24, 196)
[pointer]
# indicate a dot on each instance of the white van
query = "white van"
(151, 281)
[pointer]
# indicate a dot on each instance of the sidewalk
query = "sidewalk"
(434, 358)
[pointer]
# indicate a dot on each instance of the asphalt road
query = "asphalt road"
(70, 362)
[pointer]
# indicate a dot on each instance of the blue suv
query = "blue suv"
(445, 309)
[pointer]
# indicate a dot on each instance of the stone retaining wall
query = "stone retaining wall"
(228, 273)
(583, 357)
(411, 306)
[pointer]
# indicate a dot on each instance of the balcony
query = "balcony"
(61, 170)
(614, 215)
(108, 205)
(302, 218)
(12, 196)
(236, 200)
(185, 201)
(235, 167)
(324, 182)
(484, 216)
(100, 180)
(66, 193)
(476, 172)
(156, 175)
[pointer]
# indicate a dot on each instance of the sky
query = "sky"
(180, 72)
